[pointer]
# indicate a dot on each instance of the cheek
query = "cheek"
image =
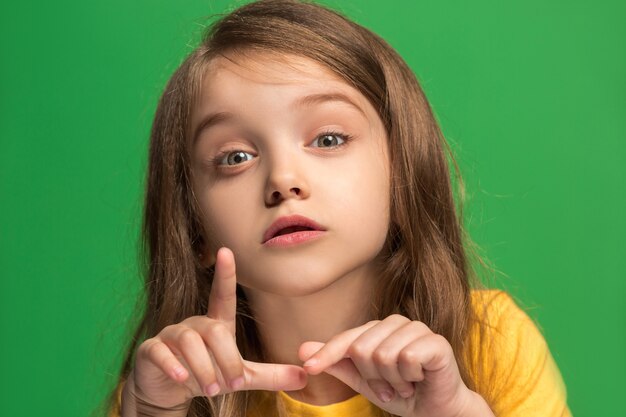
(373, 211)
(376, 191)
(225, 214)
(363, 195)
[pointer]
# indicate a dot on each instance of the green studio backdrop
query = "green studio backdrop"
(531, 95)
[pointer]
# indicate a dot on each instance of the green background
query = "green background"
(531, 94)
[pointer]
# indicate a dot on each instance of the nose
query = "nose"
(286, 180)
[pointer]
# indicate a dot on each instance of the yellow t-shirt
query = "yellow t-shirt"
(520, 377)
(355, 406)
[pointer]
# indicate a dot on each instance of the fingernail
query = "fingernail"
(212, 389)
(311, 362)
(385, 396)
(179, 372)
(237, 383)
(406, 394)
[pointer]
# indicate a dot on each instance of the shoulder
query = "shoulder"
(504, 321)
(515, 365)
(494, 304)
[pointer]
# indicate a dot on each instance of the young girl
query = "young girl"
(304, 252)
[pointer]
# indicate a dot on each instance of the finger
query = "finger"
(362, 351)
(359, 345)
(223, 296)
(226, 354)
(192, 347)
(335, 349)
(308, 349)
(346, 372)
(428, 353)
(160, 355)
(385, 357)
(273, 377)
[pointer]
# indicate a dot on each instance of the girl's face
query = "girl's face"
(291, 172)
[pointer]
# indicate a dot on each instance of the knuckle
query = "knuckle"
(383, 357)
(446, 346)
(154, 348)
(420, 327)
(169, 329)
(397, 318)
(357, 351)
(440, 340)
(408, 357)
(192, 321)
(188, 336)
(218, 331)
(147, 348)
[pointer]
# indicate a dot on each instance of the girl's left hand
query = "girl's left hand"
(398, 364)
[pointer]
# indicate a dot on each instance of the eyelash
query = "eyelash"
(346, 138)
(217, 161)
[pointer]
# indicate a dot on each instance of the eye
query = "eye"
(330, 140)
(235, 158)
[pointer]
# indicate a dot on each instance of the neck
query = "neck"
(285, 322)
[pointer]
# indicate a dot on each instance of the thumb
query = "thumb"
(344, 370)
(273, 377)
(347, 372)
(308, 349)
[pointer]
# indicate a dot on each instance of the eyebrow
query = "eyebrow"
(210, 120)
(314, 99)
(307, 101)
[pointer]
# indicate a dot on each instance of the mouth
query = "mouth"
(291, 225)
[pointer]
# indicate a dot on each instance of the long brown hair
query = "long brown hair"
(427, 275)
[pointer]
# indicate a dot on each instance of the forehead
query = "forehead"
(236, 79)
(272, 68)
(265, 87)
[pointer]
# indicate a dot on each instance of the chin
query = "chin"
(294, 285)
(298, 280)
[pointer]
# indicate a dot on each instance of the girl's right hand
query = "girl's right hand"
(199, 356)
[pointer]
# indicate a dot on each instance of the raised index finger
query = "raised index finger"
(223, 296)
